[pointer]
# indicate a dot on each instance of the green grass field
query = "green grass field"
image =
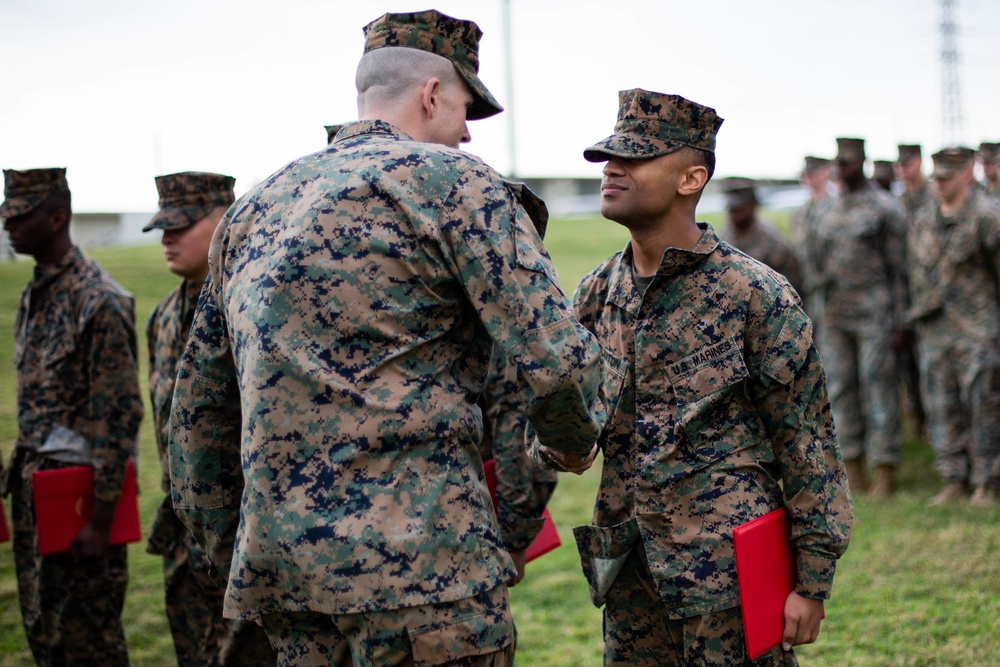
(918, 586)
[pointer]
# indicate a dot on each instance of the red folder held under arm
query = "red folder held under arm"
(765, 572)
(547, 538)
(64, 504)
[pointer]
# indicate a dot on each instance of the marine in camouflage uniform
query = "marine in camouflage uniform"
(805, 221)
(863, 269)
(955, 282)
(353, 301)
(916, 194)
(191, 205)
(78, 397)
(757, 238)
(719, 412)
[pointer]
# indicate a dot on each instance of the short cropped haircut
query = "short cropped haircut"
(702, 158)
(390, 71)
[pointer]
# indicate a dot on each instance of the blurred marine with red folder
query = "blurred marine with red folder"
(78, 403)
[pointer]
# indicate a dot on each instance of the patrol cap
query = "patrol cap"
(739, 191)
(850, 149)
(331, 132)
(813, 163)
(24, 191)
(653, 124)
(883, 169)
(989, 152)
(907, 152)
(950, 161)
(189, 196)
(442, 35)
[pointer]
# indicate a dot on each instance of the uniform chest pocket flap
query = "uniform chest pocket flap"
(709, 387)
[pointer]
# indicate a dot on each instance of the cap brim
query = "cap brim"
(484, 104)
(175, 218)
(629, 147)
(15, 206)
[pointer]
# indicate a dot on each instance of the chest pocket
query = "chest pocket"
(710, 398)
(58, 351)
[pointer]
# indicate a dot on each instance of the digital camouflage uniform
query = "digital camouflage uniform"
(193, 593)
(76, 361)
(862, 273)
(353, 302)
(718, 402)
(955, 295)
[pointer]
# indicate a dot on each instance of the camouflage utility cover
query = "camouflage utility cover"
(442, 35)
(813, 163)
(719, 402)
(950, 161)
(187, 197)
(23, 191)
(850, 149)
(908, 152)
(652, 124)
(352, 304)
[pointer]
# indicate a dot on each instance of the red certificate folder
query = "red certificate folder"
(4, 532)
(64, 504)
(547, 538)
(765, 572)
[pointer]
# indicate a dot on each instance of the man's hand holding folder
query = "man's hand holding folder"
(773, 613)
(802, 619)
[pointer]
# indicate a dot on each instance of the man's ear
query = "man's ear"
(59, 220)
(692, 180)
(430, 96)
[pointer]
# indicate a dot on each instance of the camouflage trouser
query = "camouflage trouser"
(474, 632)
(638, 632)
(71, 609)
(961, 389)
(864, 391)
(194, 599)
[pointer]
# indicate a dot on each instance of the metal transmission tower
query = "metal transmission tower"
(951, 99)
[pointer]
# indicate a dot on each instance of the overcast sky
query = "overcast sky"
(119, 91)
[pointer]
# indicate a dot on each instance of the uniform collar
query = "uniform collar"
(675, 262)
(46, 274)
(379, 127)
